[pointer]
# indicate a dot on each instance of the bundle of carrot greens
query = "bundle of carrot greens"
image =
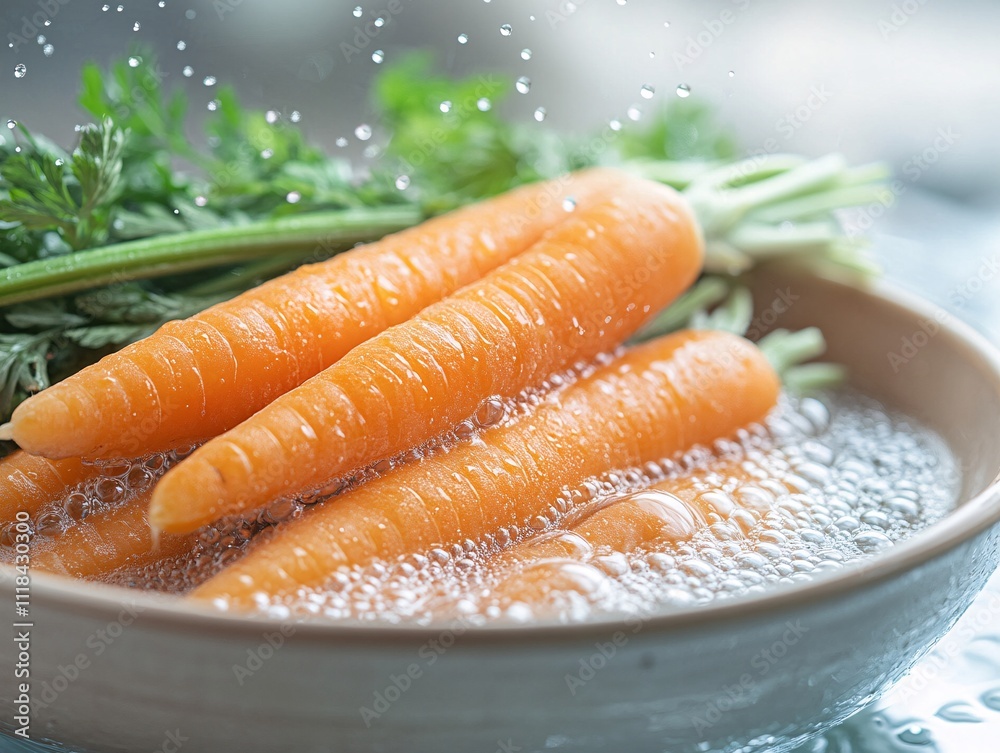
(137, 226)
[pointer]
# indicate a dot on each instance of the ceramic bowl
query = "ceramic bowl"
(113, 670)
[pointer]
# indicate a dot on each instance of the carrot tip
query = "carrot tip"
(6, 432)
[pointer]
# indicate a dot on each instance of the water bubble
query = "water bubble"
(293, 197)
(378, 56)
(20, 70)
(683, 91)
(363, 132)
(523, 85)
(357, 11)
(483, 104)
(647, 91)
(402, 182)
(540, 114)
(181, 45)
(463, 38)
(188, 71)
(506, 30)
(209, 81)
(569, 204)
(47, 50)
(526, 54)
(633, 113)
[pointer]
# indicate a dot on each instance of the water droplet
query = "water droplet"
(134, 62)
(136, 26)
(647, 91)
(403, 182)
(162, 3)
(463, 38)
(190, 15)
(105, 8)
(120, 8)
(378, 56)
(683, 91)
(540, 114)
(666, 24)
(506, 30)
(200, 201)
(41, 39)
(357, 11)
(526, 54)
(266, 153)
(490, 412)
(272, 116)
(363, 132)
(295, 117)
(634, 113)
(652, 55)
(732, 73)
(213, 105)
(916, 735)
(47, 50)
(341, 142)
(181, 45)
(188, 71)
(615, 125)
(293, 197)
(483, 104)
(445, 106)
(523, 85)
(569, 204)
(209, 81)
(20, 70)
(622, 2)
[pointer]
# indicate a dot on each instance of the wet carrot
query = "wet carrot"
(195, 378)
(106, 541)
(588, 285)
(656, 400)
(27, 482)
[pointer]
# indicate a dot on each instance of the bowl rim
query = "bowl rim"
(969, 519)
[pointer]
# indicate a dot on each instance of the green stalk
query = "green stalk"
(147, 258)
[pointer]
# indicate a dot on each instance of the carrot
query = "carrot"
(656, 400)
(27, 482)
(106, 541)
(195, 378)
(589, 284)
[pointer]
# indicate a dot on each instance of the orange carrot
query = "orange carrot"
(658, 399)
(27, 482)
(589, 284)
(195, 378)
(106, 541)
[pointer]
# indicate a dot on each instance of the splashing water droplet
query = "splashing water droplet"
(445, 106)
(295, 117)
(136, 26)
(134, 62)
(506, 30)
(120, 8)
(20, 70)
(267, 153)
(652, 54)
(213, 105)
(683, 91)
(540, 114)
(666, 24)
(732, 73)
(622, 2)
(569, 204)
(272, 116)
(378, 56)
(47, 50)
(379, 22)
(190, 15)
(293, 197)
(341, 142)
(363, 132)
(634, 113)
(403, 182)
(188, 71)
(105, 8)
(615, 125)
(484, 104)
(12, 124)
(647, 91)
(209, 81)
(162, 3)
(182, 45)
(463, 38)
(523, 85)
(357, 11)
(41, 39)
(526, 54)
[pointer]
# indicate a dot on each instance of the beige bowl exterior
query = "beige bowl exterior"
(117, 671)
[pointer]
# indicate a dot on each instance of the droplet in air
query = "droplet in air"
(105, 8)
(341, 142)
(181, 45)
(47, 50)
(483, 104)
(41, 39)
(569, 204)
(378, 56)
(523, 85)
(526, 54)
(506, 30)
(540, 114)
(379, 22)
(463, 38)
(683, 91)
(732, 73)
(271, 116)
(136, 26)
(209, 81)
(188, 71)
(20, 70)
(120, 8)
(652, 54)
(357, 11)
(12, 124)
(666, 24)
(615, 125)
(403, 182)
(647, 91)
(162, 3)
(445, 106)
(622, 2)
(134, 62)
(213, 105)
(363, 132)
(634, 113)
(293, 197)
(190, 15)
(295, 117)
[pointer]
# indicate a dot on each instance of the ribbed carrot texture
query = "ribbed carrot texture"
(588, 285)
(195, 378)
(657, 400)
(27, 482)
